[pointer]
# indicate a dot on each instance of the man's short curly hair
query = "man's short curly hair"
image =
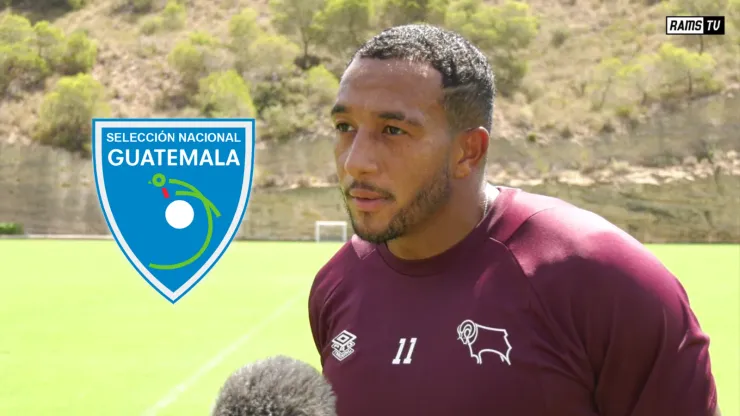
(467, 79)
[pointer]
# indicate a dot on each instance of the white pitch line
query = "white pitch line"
(176, 391)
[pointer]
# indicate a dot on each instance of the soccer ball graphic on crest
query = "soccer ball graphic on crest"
(179, 214)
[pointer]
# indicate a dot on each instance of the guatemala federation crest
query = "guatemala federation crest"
(173, 192)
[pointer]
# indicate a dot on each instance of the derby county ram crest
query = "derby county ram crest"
(173, 192)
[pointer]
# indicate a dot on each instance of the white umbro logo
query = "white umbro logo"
(342, 345)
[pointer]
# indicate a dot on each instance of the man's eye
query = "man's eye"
(392, 130)
(342, 127)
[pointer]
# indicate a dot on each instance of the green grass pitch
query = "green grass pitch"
(82, 334)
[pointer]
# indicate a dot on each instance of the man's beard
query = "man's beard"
(427, 201)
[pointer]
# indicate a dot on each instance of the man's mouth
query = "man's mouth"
(367, 201)
(364, 194)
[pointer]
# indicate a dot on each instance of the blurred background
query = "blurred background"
(596, 105)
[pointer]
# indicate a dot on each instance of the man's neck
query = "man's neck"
(447, 227)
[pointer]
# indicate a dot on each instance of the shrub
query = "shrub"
(224, 94)
(200, 38)
(189, 61)
(194, 58)
(268, 54)
(502, 32)
(20, 68)
(243, 29)
(685, 70)
(27, 53)
(396, 12)
(609, 72)
(286, 90)
(297, 19)
(283, 123)
(47, 4)
(173, 16)
(15, 29)
(76, 4)
(345, 24)
(733, 15)
(293, 107)
(141, 6)
(151, 25)
(699, 8)
(67, 111)
(80, 53)
(322, 85)
(559, 36)
(49, 43)
(11, 228)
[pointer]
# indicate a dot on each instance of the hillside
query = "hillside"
(606, 101)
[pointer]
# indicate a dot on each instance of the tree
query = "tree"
(20, 68)
(297, 20)
(733, 11)
(47, 4)
(398, 12)
(64, 119)
(195, 58)
(272, 54)
(641, 73)
(292, 107)
(679, 66)
(699, 8)
(80, 54)
(345, 24)
(15, 29)
(224, 94)
(608, 71)
(733, 17)
(173, 16)
(322, 86)
(50, 43)
(244, 28)
(29, 53)
(461, 12)
(243, 31)
(141, 6)
(21, 65)
(502, 32)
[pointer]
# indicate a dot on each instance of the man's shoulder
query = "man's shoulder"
(524, 216)
(555, 229)
(571, 254)
(340, 265)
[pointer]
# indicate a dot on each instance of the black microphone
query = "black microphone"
(276, 386)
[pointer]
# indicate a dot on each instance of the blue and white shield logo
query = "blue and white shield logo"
(173, 192)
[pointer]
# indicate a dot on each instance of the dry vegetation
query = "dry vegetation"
(591, 64)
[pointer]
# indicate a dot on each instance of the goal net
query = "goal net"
(331, 231)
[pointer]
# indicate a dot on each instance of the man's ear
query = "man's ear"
(470, 153)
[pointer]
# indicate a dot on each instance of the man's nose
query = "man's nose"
(362, 156)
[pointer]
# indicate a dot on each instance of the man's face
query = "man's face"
(392, 146)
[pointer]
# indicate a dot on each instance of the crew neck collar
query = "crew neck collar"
(454, 255)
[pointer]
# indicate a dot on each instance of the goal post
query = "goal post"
(338, 224)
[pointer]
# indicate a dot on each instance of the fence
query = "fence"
(53, 192)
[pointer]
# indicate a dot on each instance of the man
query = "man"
(457, 298)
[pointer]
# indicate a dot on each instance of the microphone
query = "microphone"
(276, 386)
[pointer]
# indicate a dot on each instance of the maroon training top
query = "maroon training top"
(543, 309)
